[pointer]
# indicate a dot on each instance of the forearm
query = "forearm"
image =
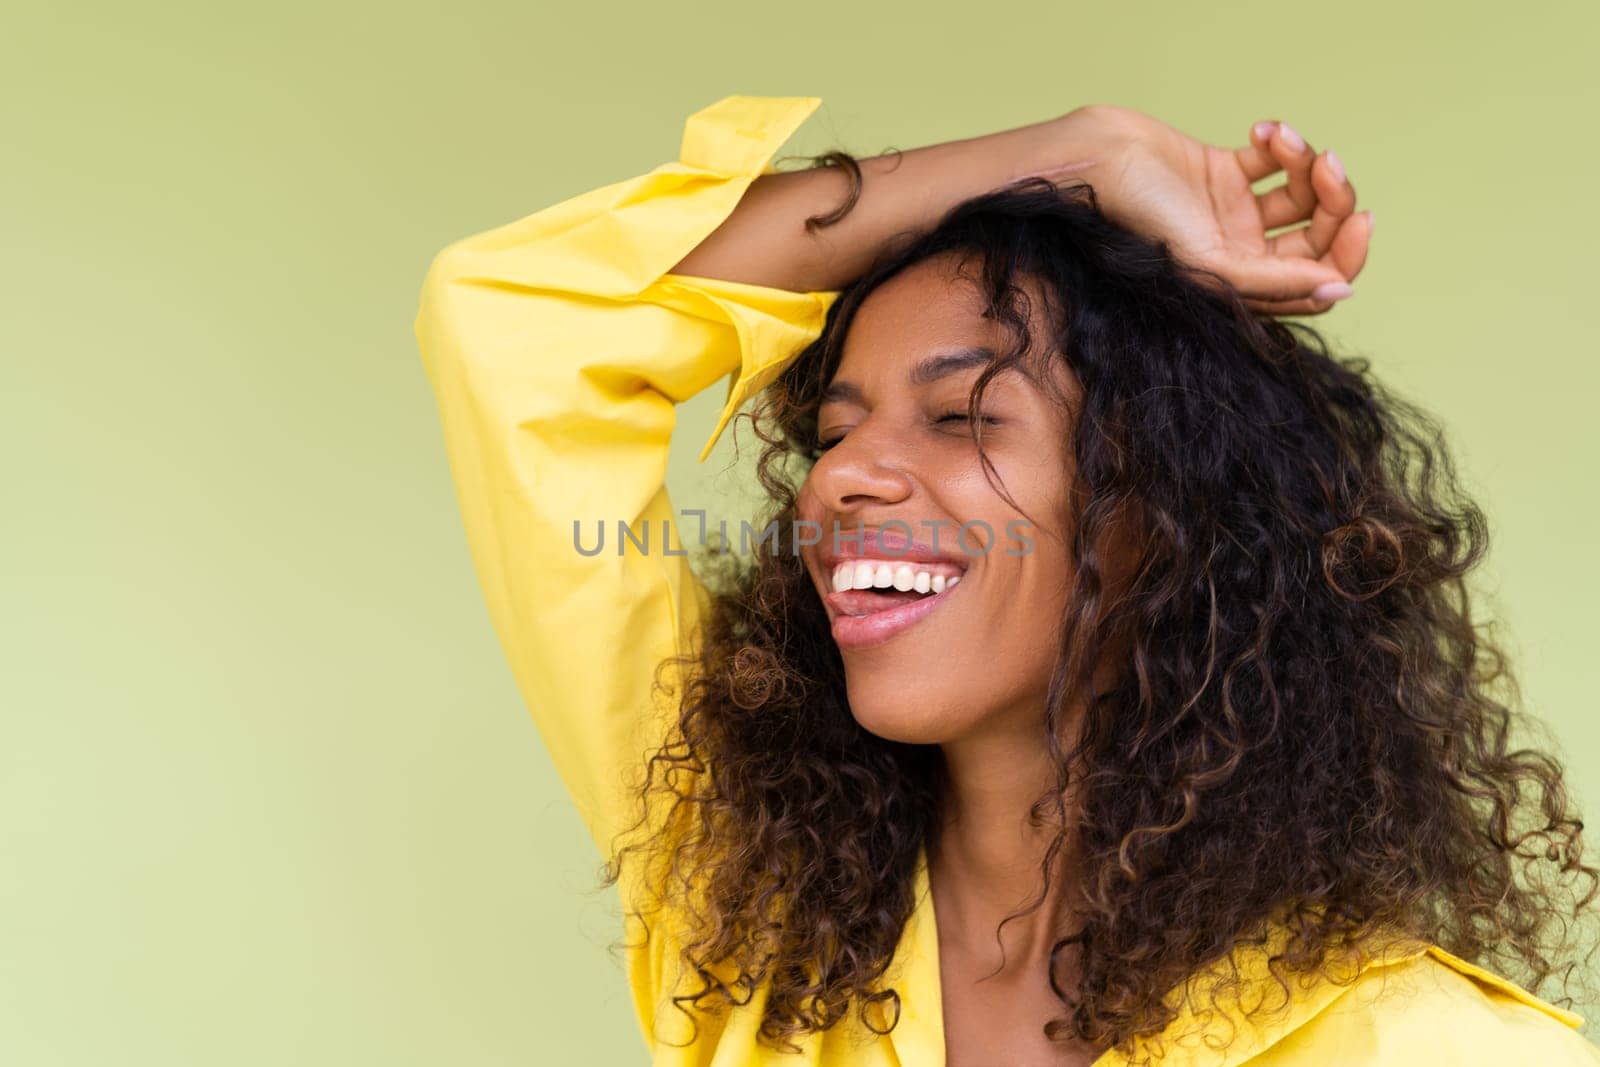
(765, 240)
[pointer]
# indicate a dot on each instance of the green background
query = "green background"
(267, 792)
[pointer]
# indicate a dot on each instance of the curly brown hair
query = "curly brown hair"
(1310, 726)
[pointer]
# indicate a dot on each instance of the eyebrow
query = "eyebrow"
(926, 372)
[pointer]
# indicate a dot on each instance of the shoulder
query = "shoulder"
(1436, 1008)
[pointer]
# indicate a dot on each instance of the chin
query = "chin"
(884, 709)
(904, 729)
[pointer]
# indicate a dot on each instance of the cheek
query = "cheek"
(1025, 604)
(998, 665)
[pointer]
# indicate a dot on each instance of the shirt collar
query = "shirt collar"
(1221, 1022)
(1223, 1037)
(918, 1036)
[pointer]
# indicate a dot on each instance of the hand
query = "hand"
(1197, 197)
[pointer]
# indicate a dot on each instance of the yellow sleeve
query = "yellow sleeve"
(558, 346)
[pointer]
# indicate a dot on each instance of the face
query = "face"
(923, 665)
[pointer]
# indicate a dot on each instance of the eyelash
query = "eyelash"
(989, 420)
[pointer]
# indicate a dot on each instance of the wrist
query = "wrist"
(1079, 144)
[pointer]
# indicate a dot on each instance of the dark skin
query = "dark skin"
(896, 454)
(1149, 177)
(899, 455)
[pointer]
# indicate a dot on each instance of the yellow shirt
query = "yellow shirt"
(558, 346)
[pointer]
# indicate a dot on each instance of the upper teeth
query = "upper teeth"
(879, 574)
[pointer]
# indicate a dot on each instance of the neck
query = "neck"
(987, 859)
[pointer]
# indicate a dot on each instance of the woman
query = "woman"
(1179, 747)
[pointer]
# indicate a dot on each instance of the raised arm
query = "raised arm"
(1148, 176)
(558, 346)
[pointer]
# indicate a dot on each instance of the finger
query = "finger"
(1294, 200)
(1350, 247)
(1312, 241)
(1290, 307)
(1292, 244)
(1255, 159)
(1336, 202)
(1347, 252)
(1275, 278)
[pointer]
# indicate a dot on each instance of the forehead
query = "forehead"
(927, 303)
(936, 306)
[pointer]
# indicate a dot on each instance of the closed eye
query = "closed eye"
(947, 417)
(961, 416)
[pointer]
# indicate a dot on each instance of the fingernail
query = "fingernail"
(1369, 224)
(1263, 130)
(1291, 137)
(1331, 291)
(1335, 164)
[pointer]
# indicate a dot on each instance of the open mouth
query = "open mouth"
(876, 600)
(887, 577)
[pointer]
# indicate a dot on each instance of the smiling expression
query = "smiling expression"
(957, 624)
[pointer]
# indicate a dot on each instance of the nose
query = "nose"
(866, 469)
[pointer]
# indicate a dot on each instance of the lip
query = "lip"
(857, 632)
(887, 545)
